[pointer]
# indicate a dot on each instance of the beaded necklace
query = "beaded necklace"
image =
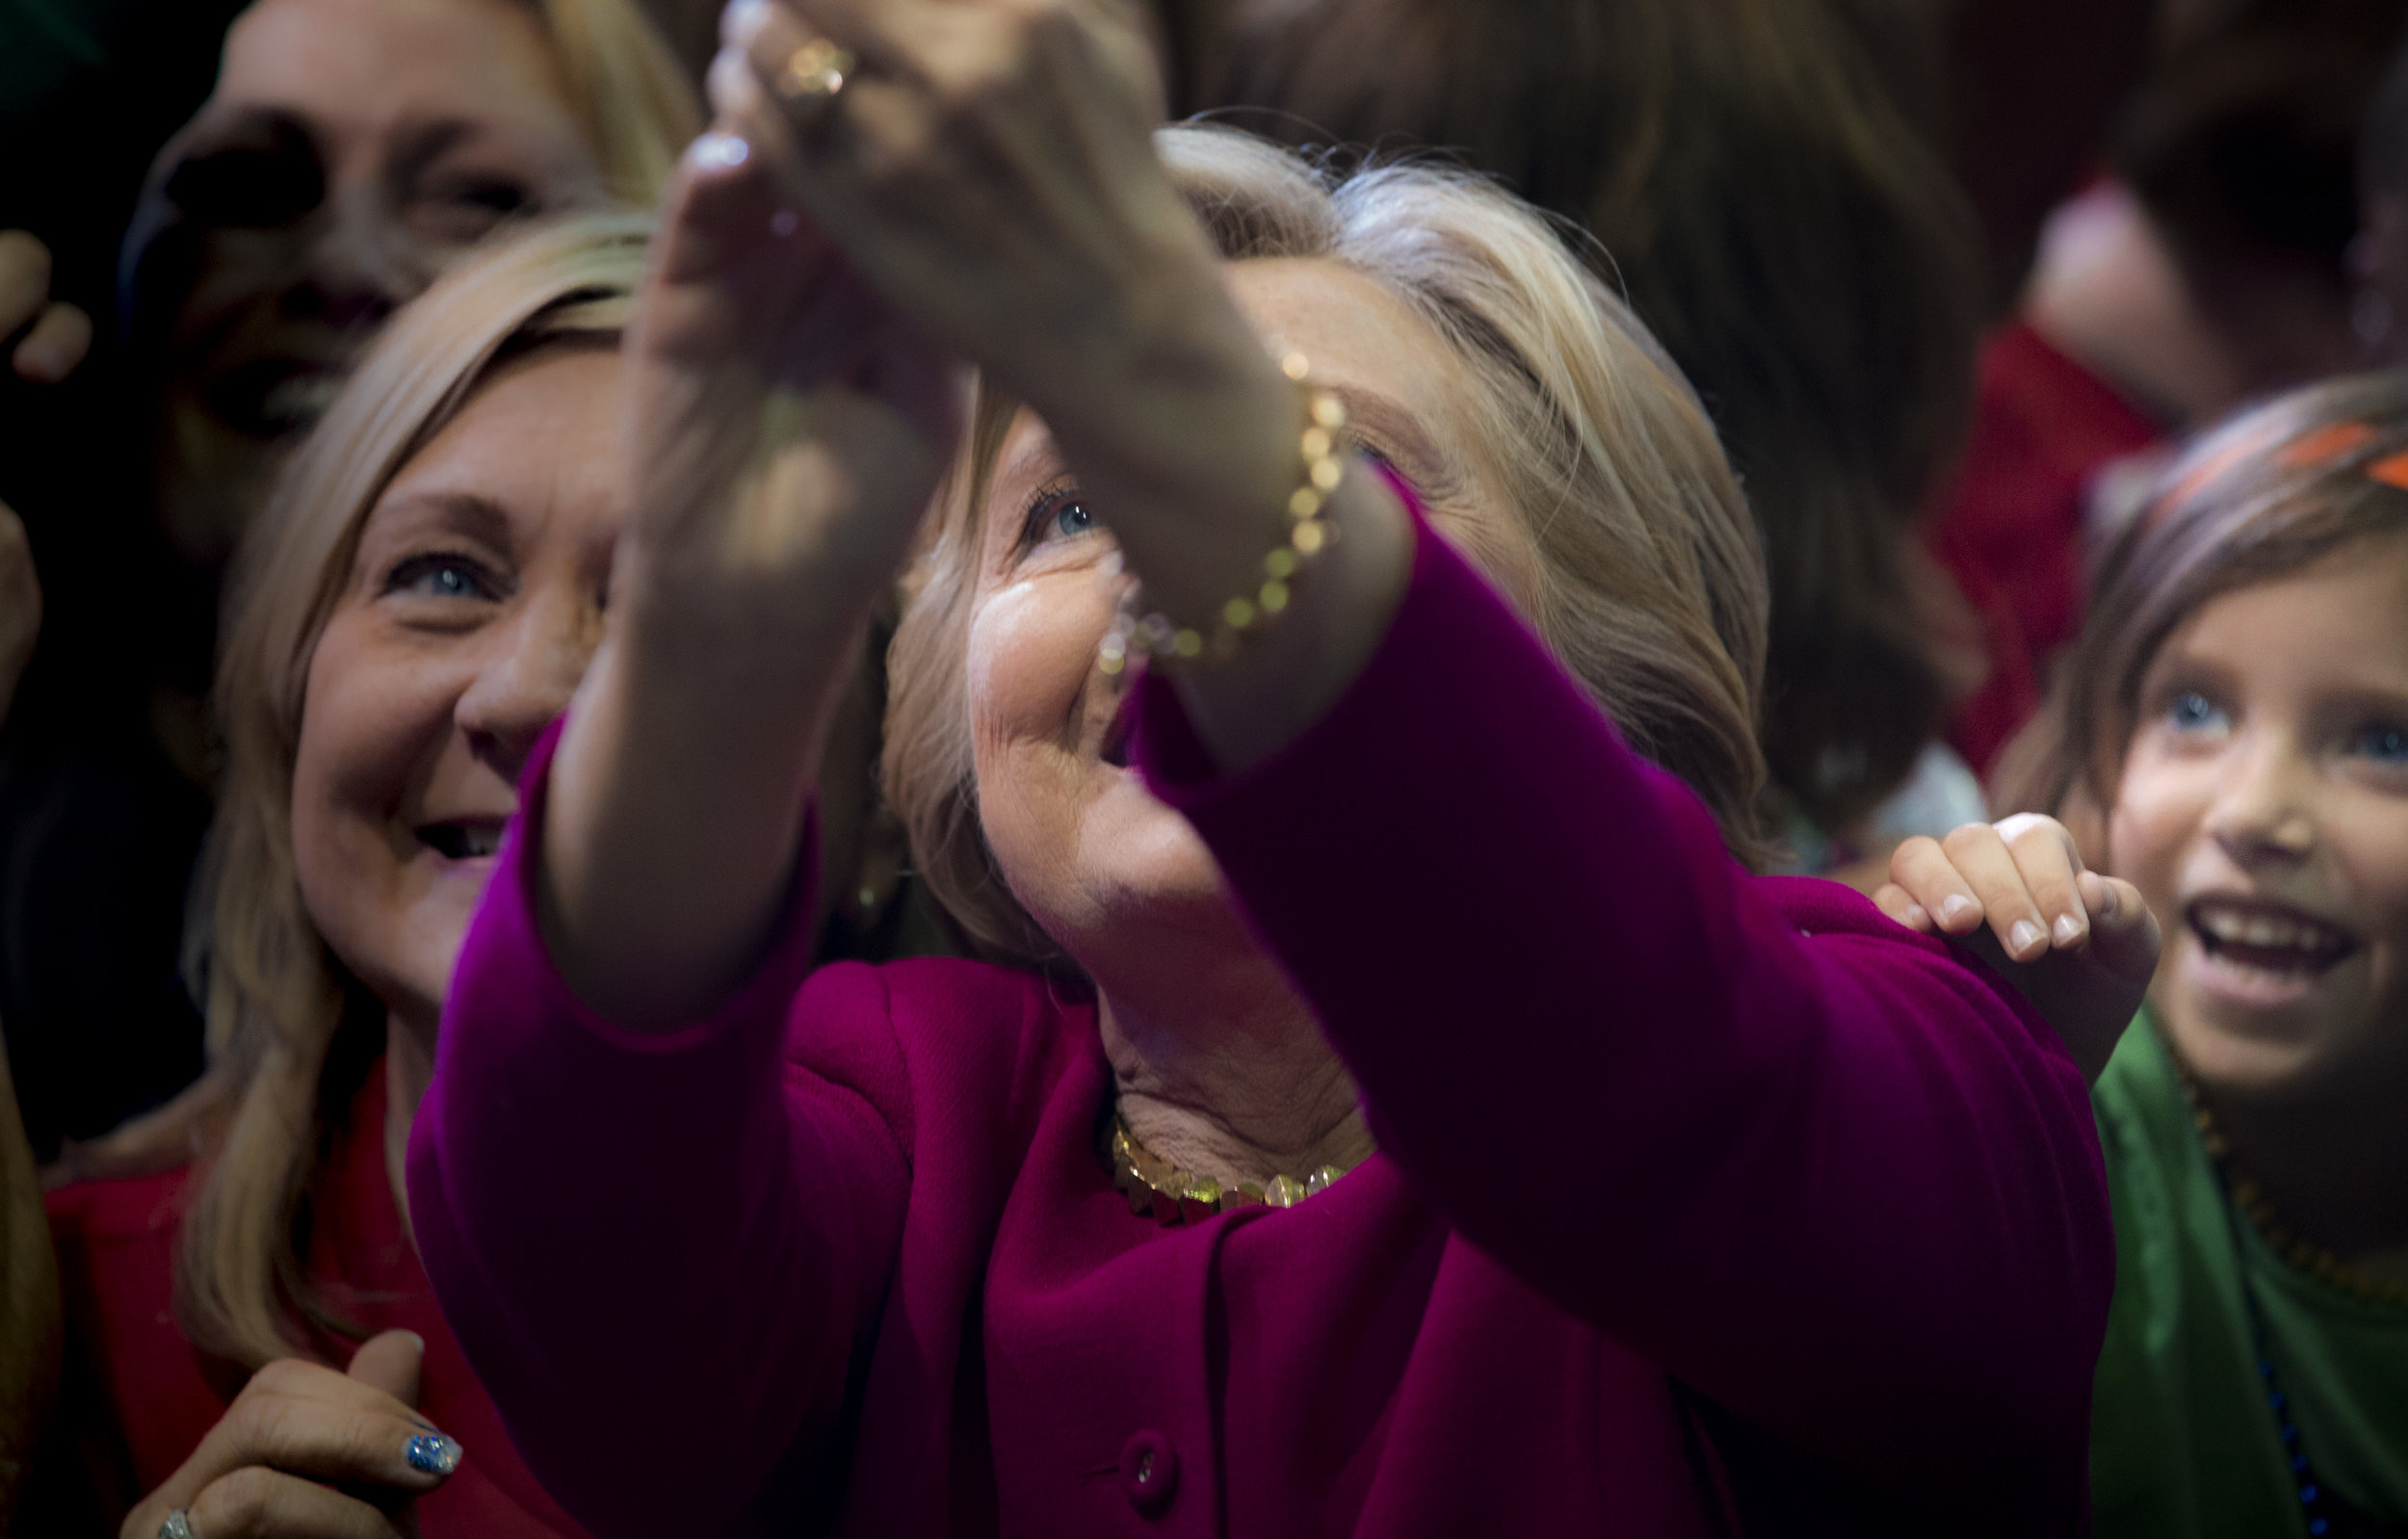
(1155, 1186)
(2327, 1513)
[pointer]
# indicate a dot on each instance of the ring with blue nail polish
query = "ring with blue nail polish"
(433, 1453)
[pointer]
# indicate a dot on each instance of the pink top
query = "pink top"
(1704, 1201)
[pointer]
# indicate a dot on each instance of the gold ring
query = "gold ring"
(815, 72)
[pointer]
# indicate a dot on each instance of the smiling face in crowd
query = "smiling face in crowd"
(350, 149)
(1077, 838)
(2263, 815)
(471, 608)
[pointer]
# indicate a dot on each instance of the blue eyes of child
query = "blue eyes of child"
(2193, 712)
(2385, 744)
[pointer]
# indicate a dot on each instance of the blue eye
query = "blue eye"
(2192, 711)
(1071, 518)
(2386, 744)
(440, 577)
(1057, 515)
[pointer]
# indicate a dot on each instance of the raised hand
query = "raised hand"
(2082, 947)
(306, 1453)
(785, 430)
(60, 335)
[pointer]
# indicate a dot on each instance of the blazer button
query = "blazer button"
(1149, 1472)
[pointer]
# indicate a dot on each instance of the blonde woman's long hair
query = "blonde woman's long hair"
(1628, 545)
(275, 997)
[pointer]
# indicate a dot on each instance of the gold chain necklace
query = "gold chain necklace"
(2314, 1260)
(1155, 1186)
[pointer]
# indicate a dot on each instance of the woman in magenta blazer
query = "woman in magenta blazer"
(1392, 1109)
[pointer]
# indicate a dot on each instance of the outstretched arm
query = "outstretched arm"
(644, 1222)
(1820, 1171)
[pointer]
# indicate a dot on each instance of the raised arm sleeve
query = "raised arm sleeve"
(657, 1249)
(1827, 1177)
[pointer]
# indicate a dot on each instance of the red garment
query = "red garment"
(114, 1239)
(2009, 527)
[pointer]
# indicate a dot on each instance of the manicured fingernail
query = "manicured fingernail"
(721, 151)
(2068, 929)
(432, 1454)
(1916, 916)
(1958, 906)
(2025, 937)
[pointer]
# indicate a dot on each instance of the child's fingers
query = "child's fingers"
(1924, 872)
(1988, 867)
(2045, 855)
(1900, 905)
(2125, 939)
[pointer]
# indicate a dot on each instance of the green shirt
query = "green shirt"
(2182, 1442)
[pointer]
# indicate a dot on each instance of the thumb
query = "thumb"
(390, 1363)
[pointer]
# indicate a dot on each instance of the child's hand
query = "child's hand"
(2080, 946)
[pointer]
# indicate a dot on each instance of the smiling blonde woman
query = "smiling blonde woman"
(420, 602)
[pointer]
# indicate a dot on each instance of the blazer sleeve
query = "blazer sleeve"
(658, 1250)
(1826, 1176)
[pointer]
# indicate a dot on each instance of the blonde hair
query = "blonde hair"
(627, 90)
(1630, 547)
(276, 998)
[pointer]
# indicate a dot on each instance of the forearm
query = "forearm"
(1195, 456)
(674, 825)
(1785, 1173)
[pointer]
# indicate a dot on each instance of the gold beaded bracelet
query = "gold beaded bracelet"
(1309, 534)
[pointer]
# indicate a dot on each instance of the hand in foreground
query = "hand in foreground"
(989, 165)
(306, 1453)
(2080, 946)
(784, 432)
(60, 334)
(21, 605)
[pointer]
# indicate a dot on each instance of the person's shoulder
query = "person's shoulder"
(942, 993)
(1818, 907)
(973, 1024)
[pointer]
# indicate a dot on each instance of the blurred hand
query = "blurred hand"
(306, 1453)
(60, 334)
(783, 424)
(21, 605)
(2080, 946)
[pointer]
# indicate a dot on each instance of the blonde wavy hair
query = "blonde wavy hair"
(1628, 545)
(275, 999)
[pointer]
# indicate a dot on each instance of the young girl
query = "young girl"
(2233, 738)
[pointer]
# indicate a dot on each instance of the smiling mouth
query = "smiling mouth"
(461, 841)
(2272, 938)
(273, 398)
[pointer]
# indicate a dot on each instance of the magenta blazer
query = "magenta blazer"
(1705, 1204)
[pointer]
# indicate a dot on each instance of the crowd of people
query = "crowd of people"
(1225, 767)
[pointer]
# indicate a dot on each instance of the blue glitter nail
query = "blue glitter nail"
(432, 1454)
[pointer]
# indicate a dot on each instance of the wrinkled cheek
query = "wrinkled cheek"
(1032, 649)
